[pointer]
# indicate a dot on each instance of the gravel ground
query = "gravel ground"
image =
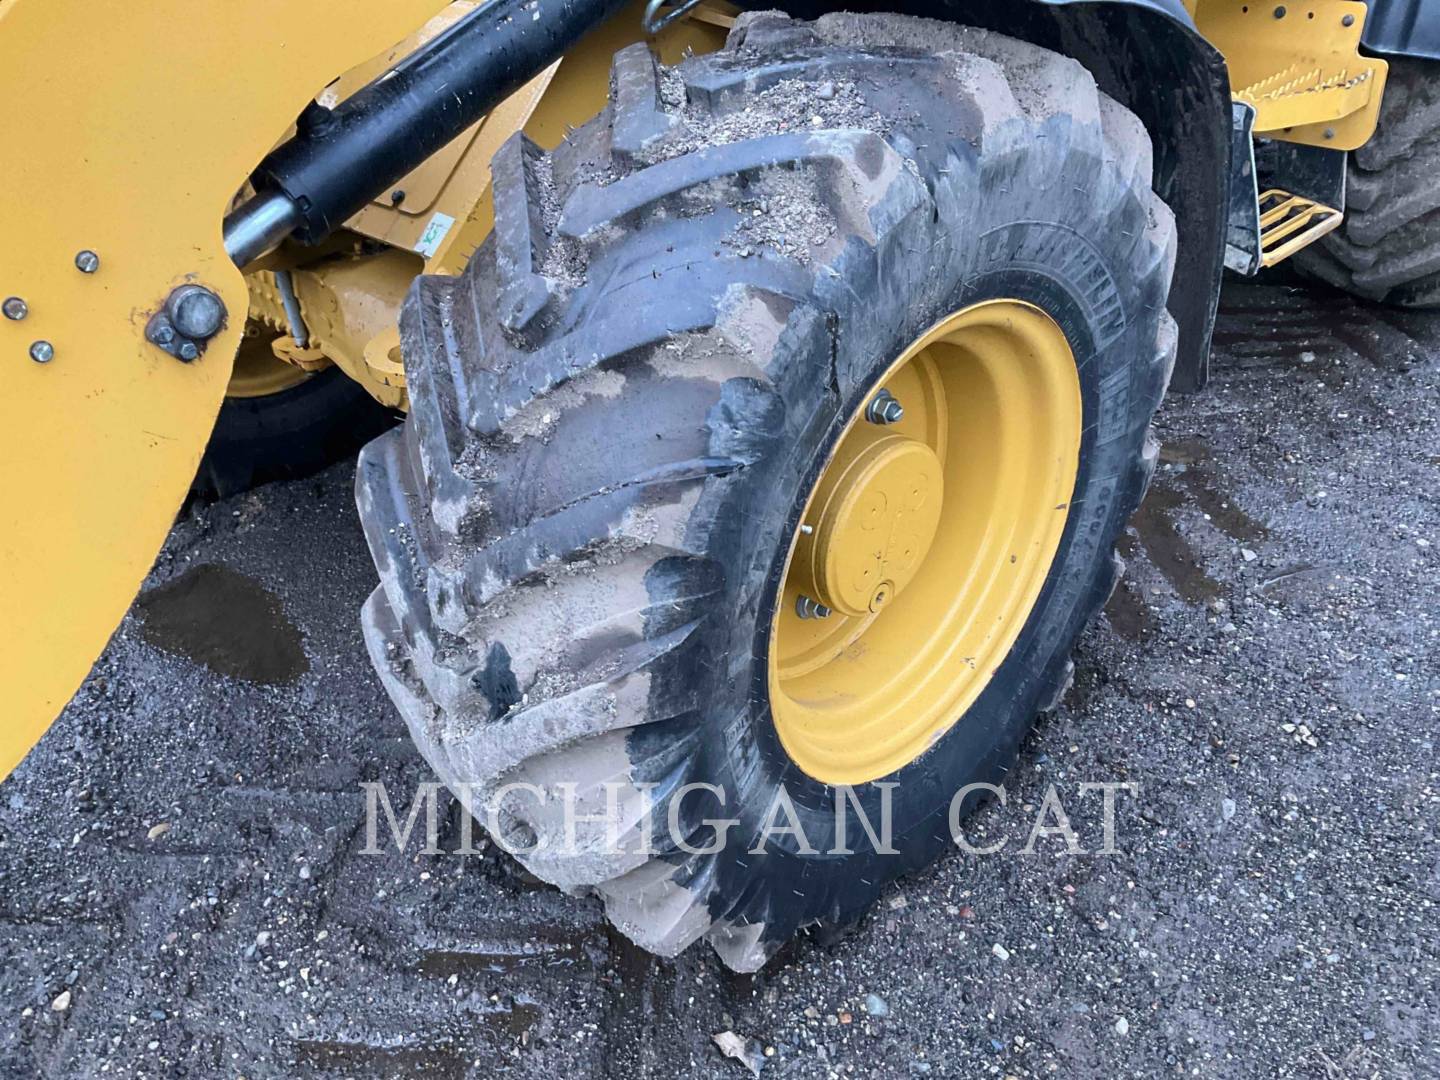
(182, 893)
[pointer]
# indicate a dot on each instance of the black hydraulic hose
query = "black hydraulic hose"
(342, 158)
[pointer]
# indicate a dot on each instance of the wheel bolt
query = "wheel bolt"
(15, 308)
(884, 408)
(196, 312)
(87, 262)
(811, 609)
(42, 352)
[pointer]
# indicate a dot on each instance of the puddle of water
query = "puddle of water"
(1199, 484)
(538, 952)
(226, 621)
(1168, 550)
(1185, 452)
(1128, 614)
(517, 1019)
(362, 1059)
(1192, 484)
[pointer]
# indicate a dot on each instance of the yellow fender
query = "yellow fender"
(130, 127)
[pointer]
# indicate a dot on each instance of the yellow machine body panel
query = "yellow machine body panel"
(132, 126)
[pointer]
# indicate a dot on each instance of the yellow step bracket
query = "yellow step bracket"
(1291, 222)
(1300, 66)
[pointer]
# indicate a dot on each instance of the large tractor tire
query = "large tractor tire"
(1388, 248)
(648, 438)
(280, 423)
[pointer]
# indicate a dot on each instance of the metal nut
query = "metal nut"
(811, 609)
(196, 312)
(42, 352)
(87, 262)
(884, 409)
(15, 308)
(188, 351)
(161, 332)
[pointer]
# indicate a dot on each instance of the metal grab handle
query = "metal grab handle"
(653, 22)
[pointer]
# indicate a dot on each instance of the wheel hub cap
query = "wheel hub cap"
(877, 518)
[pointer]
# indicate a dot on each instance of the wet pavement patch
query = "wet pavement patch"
(505, 956)
(1186, 483)
(365, 1059)
(1168, 549)
(1192, 455)
(1128, 615)
(226, 621)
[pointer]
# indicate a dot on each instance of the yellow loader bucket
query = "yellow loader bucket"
(129, 129)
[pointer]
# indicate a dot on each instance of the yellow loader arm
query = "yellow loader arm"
(130, 128)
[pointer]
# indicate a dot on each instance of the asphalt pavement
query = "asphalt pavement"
(182, 889)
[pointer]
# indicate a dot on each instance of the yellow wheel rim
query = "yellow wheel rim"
(925, 542)
(259, 372)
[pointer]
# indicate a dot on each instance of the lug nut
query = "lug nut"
(15, 308)
(42, 352)
(811, 609)
(884, 409)
(87, 262)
